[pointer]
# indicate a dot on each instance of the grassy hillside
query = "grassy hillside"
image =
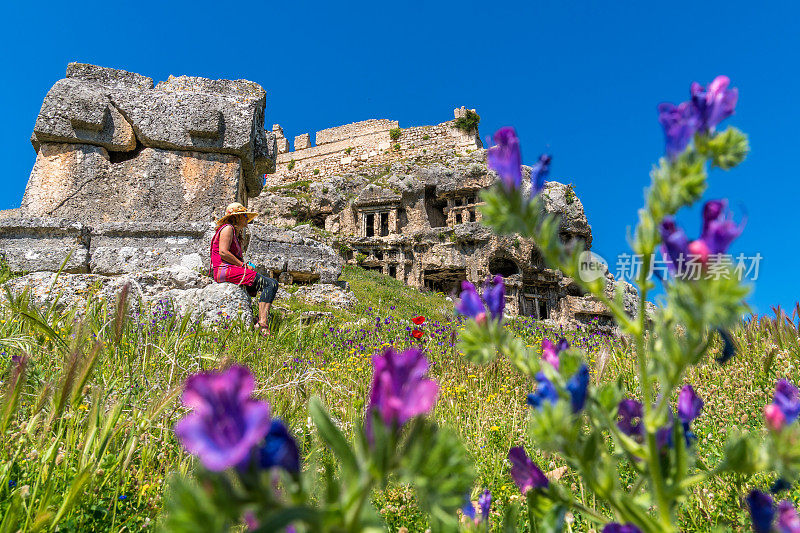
(89, 443)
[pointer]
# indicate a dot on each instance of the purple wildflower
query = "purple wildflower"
(505, 159)
(719, 229)
(621, 528)
(279, 449)
(525, 472)
(761, 511)
(689, 407)
(399, 388)
(470, 304)
(468, 509)
(675, 244)
(485, 503)
(630, 413)
(787, 399)
(715, 104)
(550, 351)
(788, 520)
(576, 386)
(494, 294)
(689, 404)
(539, 172)
(226, 422)
(679, 123)
(545, 392)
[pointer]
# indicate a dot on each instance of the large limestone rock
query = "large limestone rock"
(87, 183)
(174, 288)
(29, 245)
(123, 112)
(75, 111)
(277, 251)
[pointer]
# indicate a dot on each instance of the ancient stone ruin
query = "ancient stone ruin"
(405, 202)
(129, 176)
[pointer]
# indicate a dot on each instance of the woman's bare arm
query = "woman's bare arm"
(225, 238)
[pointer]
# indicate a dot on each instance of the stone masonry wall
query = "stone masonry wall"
(366, 143)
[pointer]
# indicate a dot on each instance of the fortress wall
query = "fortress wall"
(367, 143)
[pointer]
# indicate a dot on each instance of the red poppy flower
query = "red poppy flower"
(417, 334)
(418, 320)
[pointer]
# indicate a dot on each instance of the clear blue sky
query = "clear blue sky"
(580, 79)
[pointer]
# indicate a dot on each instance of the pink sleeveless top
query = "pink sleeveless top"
(222, 271)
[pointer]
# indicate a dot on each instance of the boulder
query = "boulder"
(275, 250)
(85, 183)
(179, 288)
(212, 303)
(33, 245)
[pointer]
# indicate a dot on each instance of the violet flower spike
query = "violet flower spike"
(525, 472)
(494, 294)
(576, 386)
(714, 104)
(545, 392)
(761, 511)
(485, 504)
(679, 123)
(689, 404)
(550, 351)
(505, 159)
(470, 304)
(279, 449)
(787, 398)
(226, 422)
(468, 509)
(788, 520)
(400, 390)
(719, 229)
(539, 172)
(630, 413)
(675, 244)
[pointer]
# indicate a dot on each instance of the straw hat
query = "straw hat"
(236, 209)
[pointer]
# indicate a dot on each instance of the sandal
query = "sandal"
(264, 330)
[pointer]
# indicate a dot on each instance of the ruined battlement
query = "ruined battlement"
(345, 148)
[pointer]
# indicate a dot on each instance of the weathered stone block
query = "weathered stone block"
(36, 244)
(109, 77)
(81, 182)
(277, 250)
(198, 114)
(301, 142)
(132, 247)
(115, 109)
(74, 111)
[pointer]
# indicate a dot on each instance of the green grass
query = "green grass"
(89, 442)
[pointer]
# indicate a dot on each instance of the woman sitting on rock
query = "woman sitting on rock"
(227, 261)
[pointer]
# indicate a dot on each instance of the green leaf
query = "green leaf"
(333, 437)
